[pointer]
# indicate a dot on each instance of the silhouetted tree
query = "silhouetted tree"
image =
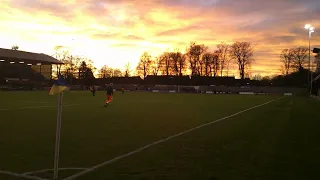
(144, 66)
(127, 70)
(242, 53)
(299, 56)
(182, 62)
(177, 62)
(257, 77)
(82, 69)
(211, 64)
(15, 47)
(194, 53)
(223, 55)
(58, 53)
(71, 63)
(215, 63)
(105, 72)
(156, 66)
(90, 64)
(70, 66)
(207, 59)
(86, 74)
(116, 72)
(286, 57)
(166, 63)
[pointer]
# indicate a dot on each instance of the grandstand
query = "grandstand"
(25, 69)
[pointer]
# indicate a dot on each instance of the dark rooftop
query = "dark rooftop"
(9, 55)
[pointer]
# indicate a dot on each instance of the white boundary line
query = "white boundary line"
(36, 102)
(46, 170)
(37, 107)
(22, 175)
(161, 141)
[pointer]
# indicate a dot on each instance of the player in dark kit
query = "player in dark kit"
(93, 91)
(109, 94)
(122, 90)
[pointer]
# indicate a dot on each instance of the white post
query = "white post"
(57, 145)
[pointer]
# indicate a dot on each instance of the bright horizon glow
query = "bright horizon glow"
(114, 33)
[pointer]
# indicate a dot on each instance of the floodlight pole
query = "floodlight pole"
(57, 145)
(310, 67)
(310, 62)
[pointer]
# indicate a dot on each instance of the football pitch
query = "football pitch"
(160, 136)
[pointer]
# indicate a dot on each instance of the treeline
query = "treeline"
(198, 60)
(296, 67)
(74, 67)
(297, 59)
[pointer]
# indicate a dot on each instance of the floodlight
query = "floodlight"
(307, 26)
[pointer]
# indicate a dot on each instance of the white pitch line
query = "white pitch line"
(36, 102)
(161, 141)
(22, 175)
(37, 107)
(46, 170)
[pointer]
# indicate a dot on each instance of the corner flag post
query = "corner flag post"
(57, 144)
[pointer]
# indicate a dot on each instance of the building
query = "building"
(38, 62)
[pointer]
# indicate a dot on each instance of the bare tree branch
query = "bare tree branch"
(194, 53)
(223, 52)
(127, 70)
(300, 56)
(144, 66)
(166, 63)
(156, 66)
(15, 47)
(242, 53)
(286, 57)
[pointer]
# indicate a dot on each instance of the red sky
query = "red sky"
(114, 32)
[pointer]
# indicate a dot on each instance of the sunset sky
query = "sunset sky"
(114, 32)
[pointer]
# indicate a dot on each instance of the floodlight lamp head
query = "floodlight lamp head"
(307, 26)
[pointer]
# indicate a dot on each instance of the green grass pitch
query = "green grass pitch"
(279, 140)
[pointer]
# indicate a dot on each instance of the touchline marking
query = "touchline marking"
(160, 141)
(38, 107)
(22, 175)
(46, 170)
(36, 102)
